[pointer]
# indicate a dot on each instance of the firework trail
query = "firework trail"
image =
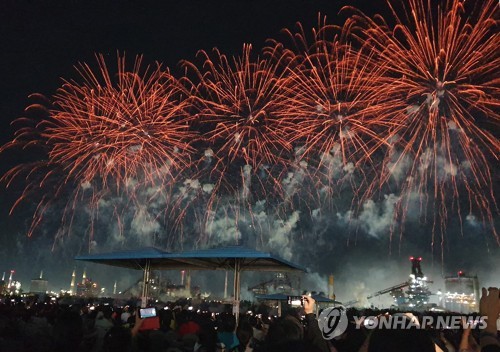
(134, 128)
(103, 136)
(355, 125)
(444, 63)
(238, 100)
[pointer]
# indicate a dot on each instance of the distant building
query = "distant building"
(461, 293)
(87, 288)
(281, 282)
(3, 287)
(39, 286)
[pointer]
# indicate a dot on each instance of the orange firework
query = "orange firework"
(103, 136)
(136, 127)
(446, 87)
(334, 107)
(239, 100)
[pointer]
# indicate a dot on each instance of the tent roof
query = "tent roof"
(136, 259)
(249, 259)
(206, 259)
(273, 297)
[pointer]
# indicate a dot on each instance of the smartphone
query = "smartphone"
(295, 301)
(147, 312)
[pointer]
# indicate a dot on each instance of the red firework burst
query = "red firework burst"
(134, 128)
(239, 102)
(444, 63)
(102, 135)
(336, 103)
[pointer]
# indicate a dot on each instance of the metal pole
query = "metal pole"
(236, 303)
(225, 286)
(145, 284)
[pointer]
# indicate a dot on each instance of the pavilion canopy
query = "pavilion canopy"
(137, 259)
(236, 258)
(222, 258)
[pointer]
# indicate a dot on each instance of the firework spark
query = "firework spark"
(239, 101)
(101, 135)
(335, 107)
(446, 88)
(134, 128)
(403, 113)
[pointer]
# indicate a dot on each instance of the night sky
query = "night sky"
(42, 40)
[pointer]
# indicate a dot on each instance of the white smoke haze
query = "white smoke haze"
(208, 187)
(313, 281)
(472, 220)
(295, 179)
(398, 166)
(280, 236)
(446, 168)
(336, 240)
(415, 204)
(466, 165)
(144, 226)
(247, 179)
(452, 126)
(221, 229)
(85, 185)
(332, 160)
(374, 218)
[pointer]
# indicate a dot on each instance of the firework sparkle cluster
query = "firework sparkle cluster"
(363, 114)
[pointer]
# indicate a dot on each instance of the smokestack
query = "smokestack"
(331, 295)
(84, 276)
(114, 288)
(73, 279)
(188, 282)
(183, 272)
(10, 278)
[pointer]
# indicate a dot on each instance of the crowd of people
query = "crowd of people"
(52, 326)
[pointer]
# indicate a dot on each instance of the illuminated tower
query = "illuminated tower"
(72, 285)
(84, 276)
(331, 295)
(188, 283)
(10, 278)
(418, 292)
(114, 288)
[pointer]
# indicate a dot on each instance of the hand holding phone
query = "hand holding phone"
(295, 301)
(147, 312)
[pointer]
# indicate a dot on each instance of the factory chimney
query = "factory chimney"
(72, 285)
(331, 295)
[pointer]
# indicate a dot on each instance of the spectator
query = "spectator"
(489, 307)
(125, 315)
(227, 335)
(244, 332)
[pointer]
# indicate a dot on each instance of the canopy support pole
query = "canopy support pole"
(145, 284)
(236, 303)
